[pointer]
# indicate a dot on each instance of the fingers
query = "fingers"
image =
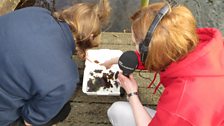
(120, 77)
(106, 64)
(132, 78)
(26, 123)
(124, 79)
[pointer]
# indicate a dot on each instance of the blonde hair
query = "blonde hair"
(174, 37)
(85, 21)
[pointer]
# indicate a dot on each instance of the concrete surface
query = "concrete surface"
(209, 13)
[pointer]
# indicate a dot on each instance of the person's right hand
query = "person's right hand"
(107, 64)
(129, 84)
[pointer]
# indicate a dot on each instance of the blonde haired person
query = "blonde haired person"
(86, 21)
(38, 75)
(190, 62)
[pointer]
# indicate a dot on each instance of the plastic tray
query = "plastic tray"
(94, 73)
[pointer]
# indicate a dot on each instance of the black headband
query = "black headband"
(143, 47)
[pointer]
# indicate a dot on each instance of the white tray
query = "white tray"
(91, 72)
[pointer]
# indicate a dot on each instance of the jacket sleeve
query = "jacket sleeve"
(164, 118)
(52, 77)
(42, 109)
(53, 82)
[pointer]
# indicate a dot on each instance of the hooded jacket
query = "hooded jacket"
(194, 86)
(37, 73)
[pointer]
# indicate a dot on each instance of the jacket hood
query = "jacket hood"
(207, 59)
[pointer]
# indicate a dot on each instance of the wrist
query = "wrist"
(132, 94)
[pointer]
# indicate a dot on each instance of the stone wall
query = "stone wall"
(209, 13)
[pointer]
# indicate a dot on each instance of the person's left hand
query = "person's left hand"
(110, 62)
(129, 84)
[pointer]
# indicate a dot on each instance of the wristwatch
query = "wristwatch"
(132, 94)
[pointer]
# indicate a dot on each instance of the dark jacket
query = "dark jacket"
(37, 73)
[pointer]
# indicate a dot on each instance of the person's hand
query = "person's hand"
(129, 84)
(107, 64)
(27, 124)
(110, 62)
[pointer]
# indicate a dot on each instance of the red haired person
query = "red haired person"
(37, 74)
(190, 62)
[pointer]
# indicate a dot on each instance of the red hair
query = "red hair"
(174, 37)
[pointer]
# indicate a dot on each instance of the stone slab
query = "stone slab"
(90, 110)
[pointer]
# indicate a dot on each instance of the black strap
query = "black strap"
(154, 24)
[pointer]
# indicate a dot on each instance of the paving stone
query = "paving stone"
(91, 110)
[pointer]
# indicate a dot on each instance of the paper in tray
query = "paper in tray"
(97, 79)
